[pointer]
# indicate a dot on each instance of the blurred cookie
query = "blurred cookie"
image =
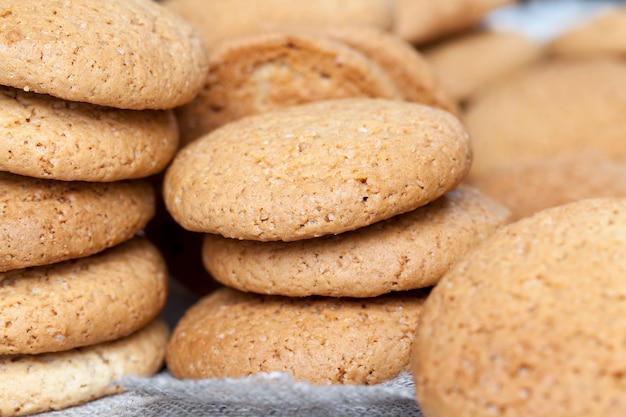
(408, 251)
(604, 34)
(528, 323)
(263, 72)
(82, 302)
(526, 189)
(466, 63)
(218, 20)
(317, 340)
(54, 381)
(320, 168)
(47, 221)
(131, 54)
(422, 21)
(546, 109)
(46, 137)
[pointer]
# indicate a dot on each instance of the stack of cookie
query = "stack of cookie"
(85, 88)
(322, 220)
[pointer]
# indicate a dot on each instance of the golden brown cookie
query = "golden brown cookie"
(82, 302)
(531, 322)
(317, 340)
(131, 54)
(604, 34)
(526, 189)
(46, 137)
(217, 20)
(546, 109)
(55, 381)
(421, 21)
(47, 221)
(320, 168)
(263, 72)
(466, 63)
(405, 252)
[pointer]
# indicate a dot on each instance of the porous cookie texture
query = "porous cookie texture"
(242, 17)
(317, 340)
(467, 63)
(408, 69)
(546, 109)
(46, 137)
(604, 34)
(82, 302)
(422, 21)
(405, 252)
(54, 381)
(47, 221)
(550, 182)
(531, 322)
(320, 168)
(131, 54)
(262, 72)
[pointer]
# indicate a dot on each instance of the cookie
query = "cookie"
(131, 54)
(550, 182)
(546, 109)
(263, 72)
(47, 221)
(241, 17)
(316, 169)
(604, 34)
(46, 137)
(405, 252)
(422, 21)
(82, 302)
(317, 340)
(528, 324)
(466, 63)
(54, 381)
(411, 73)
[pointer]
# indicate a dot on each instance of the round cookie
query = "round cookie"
(131, 54)
(526, 189)
(46, 137)
(546, 109)
(233, 18)
(422, 21)
(47, 221)
(604, 34)
(82, 302)
(54, 381)
(532, 322)
(320, 168)
(263, 72)
(317, 340)
(408, 251)
(466, 63)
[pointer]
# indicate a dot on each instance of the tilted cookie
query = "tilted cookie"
(408, 251)
(320, 168)
(82, 302)
(465, 64)
(218, 20)
(604, 34)
(422, 21)
(317, 340)
(47, 221)
(54, 381)
(527, 324)
(546, 109)
(46, 137)
(550, 182)
(131, 54)
(263, 72)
